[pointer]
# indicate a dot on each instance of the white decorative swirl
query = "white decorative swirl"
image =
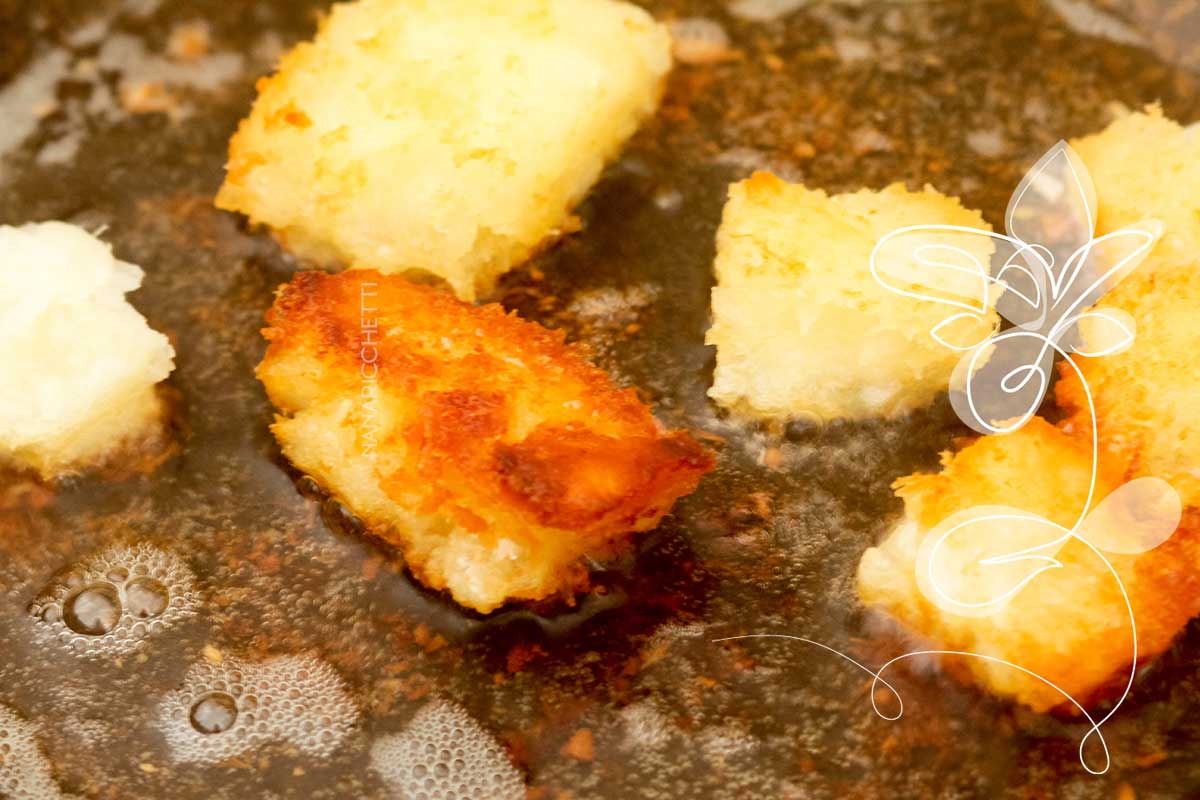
(877, 679)
(1045, 275)
(1004, 377)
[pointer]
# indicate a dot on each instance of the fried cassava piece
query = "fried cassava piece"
(449, 137)
(492, 453)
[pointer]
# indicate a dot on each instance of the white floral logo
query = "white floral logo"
(1043, 277)
(1047, 272)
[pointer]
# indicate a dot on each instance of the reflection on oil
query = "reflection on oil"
(93, 611)
(214, 713)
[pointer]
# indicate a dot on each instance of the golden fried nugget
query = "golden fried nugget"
(1069, 625)
(449, 137)
(493, 454)
(800, 325)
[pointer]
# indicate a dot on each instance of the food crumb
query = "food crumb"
(866, 140)
(772, 458)
(581, 746)
(804, 150)
(148, 97)
(189, 41)
(850, 49)
(988, 143)
(764, 10)
(698, 41)
(370, 568)
(522, 654)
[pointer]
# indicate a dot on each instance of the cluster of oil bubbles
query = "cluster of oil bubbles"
(444, 754)
(646, 727)
(24, 770)
(112, 603)
(230, 707)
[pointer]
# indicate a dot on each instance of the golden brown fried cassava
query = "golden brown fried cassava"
(1069, 625)
(492, 453)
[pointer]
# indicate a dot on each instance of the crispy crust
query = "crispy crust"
(491, 431)
(1069, 625)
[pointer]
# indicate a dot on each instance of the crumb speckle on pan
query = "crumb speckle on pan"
(148, 81)
(1087, 19)
(764, 10)
(699, 40)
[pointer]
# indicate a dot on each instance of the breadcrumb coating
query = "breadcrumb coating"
(800, 324)
(492, 453)
(1069, 625)
(448, 137)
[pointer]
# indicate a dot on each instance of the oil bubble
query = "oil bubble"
(93, 611)
(447, 752)
(214, 713)
(112, 603)
(146, 597)
(25, 772)
(206, 705)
